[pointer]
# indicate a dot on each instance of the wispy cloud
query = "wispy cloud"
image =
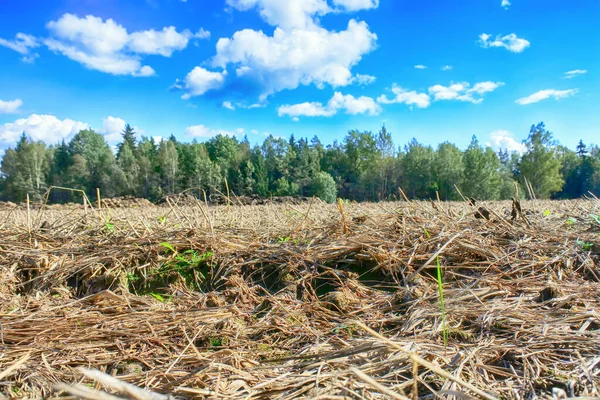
(10, 106)
(446, 67)
(546, 94)
(22, 44)
(510, 42)
(228, 105)
(420, 66)
(574, 73)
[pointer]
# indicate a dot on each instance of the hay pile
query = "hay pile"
(303, 301)
(125, 202)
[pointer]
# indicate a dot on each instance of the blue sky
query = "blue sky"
(432, 69)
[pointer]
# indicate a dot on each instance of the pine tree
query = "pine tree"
(128, 136)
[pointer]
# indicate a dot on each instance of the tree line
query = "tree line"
(364, 166)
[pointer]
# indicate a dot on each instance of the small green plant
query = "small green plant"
(442, 306)
(109, 226)
(570, 222)
(349, 329)
(585, 246)
(283, 239)
(162, 219)
(217, 341)
(546, 213)
(168, 246)
(595, 219)
(158, 297)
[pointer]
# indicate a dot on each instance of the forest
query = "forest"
(364, 166)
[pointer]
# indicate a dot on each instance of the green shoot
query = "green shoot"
(168, 245)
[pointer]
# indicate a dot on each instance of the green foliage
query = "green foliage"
(323, 186)
(482, 172)
(585, 246)
(362, 166)
(417, 168)
(540, 164)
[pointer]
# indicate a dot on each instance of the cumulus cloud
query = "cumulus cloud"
(201, 131)
(106, 46)
(356, 5)
(112, 128)
(404, 96)
(348, 103)
(364, 79)
(300, 51)
(574, 73)
(510, 42)
(502, 139)
(420, 66)
(546, 94)
(22, 44)
(463, 91)
(199, 81)
(505, 4)
(228, 105)
(48, 128)
(10, 106)
(297, 57)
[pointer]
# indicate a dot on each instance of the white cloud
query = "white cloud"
(546, 94)
(510, 42)
(364, 79)
(574, 73)
(300, 51)
(202, 34)
(163, 42)
(112, 128)
(403, 96)
(106, 46)
(201, 131)
(420, 66)
(356, 5)
(354, 105)
(314, 109)
(285, 14)
(446, 67)
(351, 105)
(228, 105)
(502, 139)
(10, 106)
(22, 44)
(505, 4)
(199, 81)
(239, 131)
(463, 91)
(40, 127)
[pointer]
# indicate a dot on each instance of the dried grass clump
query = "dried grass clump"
(300, 301)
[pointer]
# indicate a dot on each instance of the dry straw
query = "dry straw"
(298, 301)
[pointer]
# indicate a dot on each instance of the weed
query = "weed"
(585, 246)
(283, 239)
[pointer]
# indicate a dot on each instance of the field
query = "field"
(290, 301)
